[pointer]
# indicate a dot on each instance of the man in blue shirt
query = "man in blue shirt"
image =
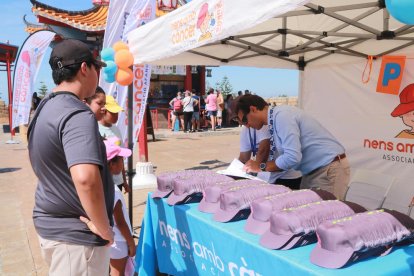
(302, 143)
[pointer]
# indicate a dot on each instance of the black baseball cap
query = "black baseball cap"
(72, 51)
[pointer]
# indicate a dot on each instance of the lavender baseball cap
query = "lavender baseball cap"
(368, 234)
(296, 227)
(165, 180)
(259, 220)
(211, 195)
(185, 189)
(238, 199)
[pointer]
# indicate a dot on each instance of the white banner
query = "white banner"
(25, 73)
(201, 22)
(123, 17)
(361, 119)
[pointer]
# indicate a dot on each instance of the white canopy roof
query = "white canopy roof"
(266, 33)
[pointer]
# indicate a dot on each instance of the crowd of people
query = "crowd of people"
(195, 113)
(75, 151)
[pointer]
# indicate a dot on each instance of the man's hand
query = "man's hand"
(106, 235)
(252, 166)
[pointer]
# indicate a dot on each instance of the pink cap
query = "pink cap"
(113, 149)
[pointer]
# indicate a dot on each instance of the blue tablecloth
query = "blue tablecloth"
(180, 240)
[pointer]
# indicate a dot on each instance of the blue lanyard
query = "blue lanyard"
(272, 131)
(253, 143)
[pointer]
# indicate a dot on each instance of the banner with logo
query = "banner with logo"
(377, 129)
(124, 16)
(200, 22)
(169, 70)
(180, 240)
(25, 73)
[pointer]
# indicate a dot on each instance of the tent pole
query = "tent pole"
(130, 146)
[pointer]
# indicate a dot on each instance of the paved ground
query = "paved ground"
(19, 249)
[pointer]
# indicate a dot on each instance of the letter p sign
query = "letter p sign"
(392, 68)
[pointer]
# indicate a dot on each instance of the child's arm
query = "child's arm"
(123, 228)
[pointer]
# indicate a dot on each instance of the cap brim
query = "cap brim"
(160, 194)
(125, 152)
(330, 259)
(114, 109)
(273, 241)
(208, 207)
(99, 63)
(225, 216)
(257, 227)
(402, 108)
(174, 199)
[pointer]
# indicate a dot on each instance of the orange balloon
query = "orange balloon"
(124, 59)
(124, 76)
(119, 46)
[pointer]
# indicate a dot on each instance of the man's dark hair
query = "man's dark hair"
(98, 91)
(240, 93)
(244, 103)
(66, 73)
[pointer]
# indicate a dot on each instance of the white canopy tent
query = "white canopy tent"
(329, 40)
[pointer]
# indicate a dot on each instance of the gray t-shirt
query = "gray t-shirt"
(66, 134)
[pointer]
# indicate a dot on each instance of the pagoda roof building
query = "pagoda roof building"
(92, 20)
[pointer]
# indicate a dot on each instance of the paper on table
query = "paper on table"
(236, 169)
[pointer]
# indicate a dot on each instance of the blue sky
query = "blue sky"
(263, 82)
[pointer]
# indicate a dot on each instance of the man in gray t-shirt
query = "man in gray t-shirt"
(74, 196)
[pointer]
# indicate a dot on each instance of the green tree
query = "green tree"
(43, 90)
(225, 86)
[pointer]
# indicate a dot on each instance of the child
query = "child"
(97, 103)
(108, 129)
(124, 245)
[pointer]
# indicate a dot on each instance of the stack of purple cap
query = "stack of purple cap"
(236, 201)
(165, 180)
(188, 188)
(295, 227)
(368, 234)
(259, 220)
(211, 195)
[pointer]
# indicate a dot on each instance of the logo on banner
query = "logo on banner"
(198, 25)
(391, 73)
(405, 110)
(204, 256)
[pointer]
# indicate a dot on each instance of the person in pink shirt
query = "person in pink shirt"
(211, 107)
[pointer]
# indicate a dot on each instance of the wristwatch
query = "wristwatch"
(262, 167)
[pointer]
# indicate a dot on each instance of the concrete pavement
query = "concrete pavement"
(19, 248)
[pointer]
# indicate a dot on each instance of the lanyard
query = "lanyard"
(272, 131)
(253, 142)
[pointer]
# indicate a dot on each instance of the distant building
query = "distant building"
(292, 100)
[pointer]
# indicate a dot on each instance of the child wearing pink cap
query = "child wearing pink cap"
(124, 245)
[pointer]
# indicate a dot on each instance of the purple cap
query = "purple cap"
(259, 220)
(165, 180)
(237, 199)
(187, 187)
(372, 233)
(295, 227)
(211, 195)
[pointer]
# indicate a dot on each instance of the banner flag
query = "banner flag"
(123, 17)
(25, 72)
(391, 73)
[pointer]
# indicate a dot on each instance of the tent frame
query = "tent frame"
(315, 40)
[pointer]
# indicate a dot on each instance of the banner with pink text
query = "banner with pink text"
(123, 17)
(25, 72)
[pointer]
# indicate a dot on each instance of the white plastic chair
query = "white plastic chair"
(369, 189)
